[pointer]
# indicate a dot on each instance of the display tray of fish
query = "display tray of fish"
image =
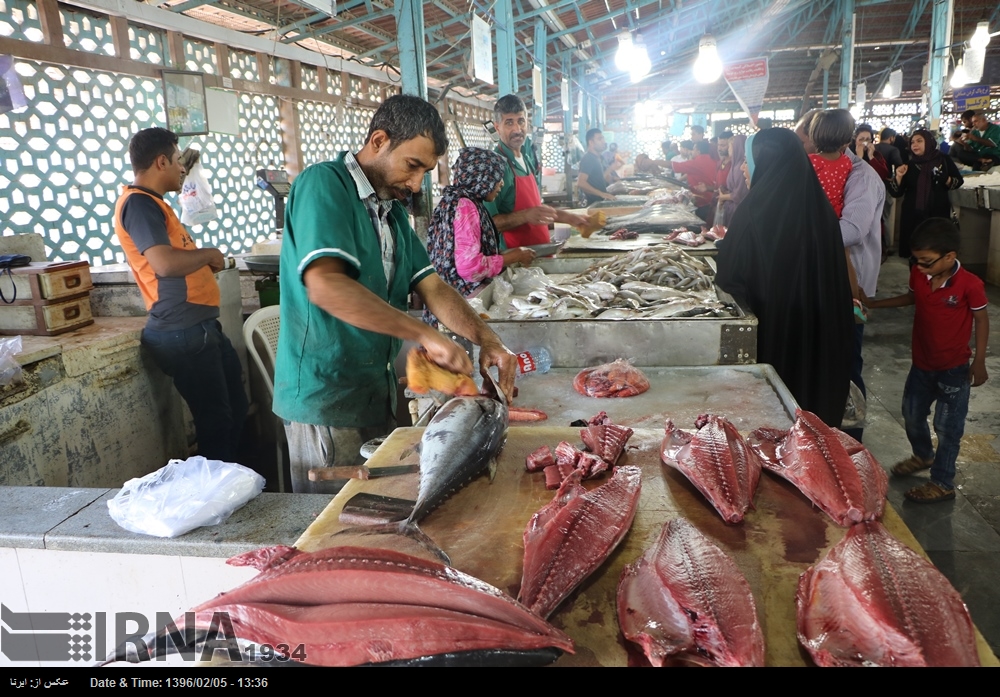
(643, 185)
(660, 282)
(659, 218)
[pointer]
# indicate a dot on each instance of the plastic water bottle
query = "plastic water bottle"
(533, 360)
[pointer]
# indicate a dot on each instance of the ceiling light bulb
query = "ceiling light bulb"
(959, 78)
(708, 66)
(641, 64)
(981, 38)
(623, 58)
(887, 91)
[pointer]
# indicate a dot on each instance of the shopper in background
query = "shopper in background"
(736, 183)
(923, 185)
(518, 211)
(949, 301)
(783, 257)
(863, 145)
(593, 178)
(178, 285)
(701, 174)
(887, 147)
(462, 241)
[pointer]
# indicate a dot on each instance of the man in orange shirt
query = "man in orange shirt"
(178, 285)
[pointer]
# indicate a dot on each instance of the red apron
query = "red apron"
(526, 195)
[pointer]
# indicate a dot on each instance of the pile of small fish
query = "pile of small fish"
(657, 282)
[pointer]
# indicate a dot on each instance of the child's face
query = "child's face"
(933, 263)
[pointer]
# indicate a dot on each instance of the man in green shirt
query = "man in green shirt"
(518, 212)
(349, 260)
(985, 140)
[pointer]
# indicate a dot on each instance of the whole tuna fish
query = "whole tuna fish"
(460, 442)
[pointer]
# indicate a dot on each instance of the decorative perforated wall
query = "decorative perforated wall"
(84, 32)
(147, 45)
(19, 20)
(243, 65)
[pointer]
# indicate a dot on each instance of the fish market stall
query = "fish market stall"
(481, 527)
(977, 204)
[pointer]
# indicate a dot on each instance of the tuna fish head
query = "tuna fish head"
(458, 444)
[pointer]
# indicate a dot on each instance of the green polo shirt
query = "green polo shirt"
(328, 372)
(504, 203)
(992, 133)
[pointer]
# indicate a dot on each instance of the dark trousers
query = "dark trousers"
(207, 372)
(950, 390)
(856, 365)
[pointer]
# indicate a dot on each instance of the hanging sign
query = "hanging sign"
(537, 87)
(482, 50)
(748, 81)
(11, 94)
(971, 97)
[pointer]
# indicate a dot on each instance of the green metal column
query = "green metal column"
(412, 58)
(541, 60)
(847, 53)
(942, 14)
(506, 55)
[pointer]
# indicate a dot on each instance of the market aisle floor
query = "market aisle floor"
(962, 537)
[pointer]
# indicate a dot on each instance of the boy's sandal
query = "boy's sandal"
(929, 493)
(910, 465)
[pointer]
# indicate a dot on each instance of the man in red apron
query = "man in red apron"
(518, 212)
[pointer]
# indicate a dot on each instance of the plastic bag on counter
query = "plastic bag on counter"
(10, 369)
(184, 495)
(527, 279)
(197, 205)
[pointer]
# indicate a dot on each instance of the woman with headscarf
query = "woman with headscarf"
(736, 183)
(863, 145)
(462, 241)
(783, 258)
(923, 183)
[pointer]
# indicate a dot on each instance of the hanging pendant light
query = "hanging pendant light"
(708, 65)
(623, 58)
(960, 78)
(981, 38)
(641, 64)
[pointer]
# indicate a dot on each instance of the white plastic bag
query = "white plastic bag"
(184, 495)
(10, 370)
(197, 206)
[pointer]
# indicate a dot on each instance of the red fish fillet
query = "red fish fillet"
(571, 536)
(874, 601)
(833, 470)
(521, 414)
(606, 441)
(350, 634)
(717, 461)
(685, 597)
(616, 379)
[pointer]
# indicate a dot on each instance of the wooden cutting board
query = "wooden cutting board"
(481, 528)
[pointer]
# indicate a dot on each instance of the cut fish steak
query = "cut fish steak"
(872, 601)
(351, 605)
(607, 441)
(570, 537)
(830, 468)
(717, 461)
(685, 597)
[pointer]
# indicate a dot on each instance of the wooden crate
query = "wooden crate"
(51, 298)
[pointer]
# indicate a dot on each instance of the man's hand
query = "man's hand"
(446, 353)
(493, 352)
(216, 262)
(977, 372)
(574, 219)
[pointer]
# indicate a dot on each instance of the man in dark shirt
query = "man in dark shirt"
(887, 147)
(592, 180)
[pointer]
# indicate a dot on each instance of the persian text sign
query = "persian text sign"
(972, 97)
(748, 81)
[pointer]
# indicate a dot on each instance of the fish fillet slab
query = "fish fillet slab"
(568, 538)
(685, 597)
(830, 468)
(717, 461)
(872, 601)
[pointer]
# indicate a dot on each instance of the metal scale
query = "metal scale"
(275, 182)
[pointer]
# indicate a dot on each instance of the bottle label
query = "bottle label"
(526, 362)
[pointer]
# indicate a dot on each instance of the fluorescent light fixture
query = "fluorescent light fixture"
(708, 66)
(981, 38)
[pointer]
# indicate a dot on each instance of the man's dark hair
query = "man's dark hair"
(726, 135)
(831, 130)
(702, 147)
(937, 235)
(765, 123)
(698, 129)
(687, 144)
(886, 134)
(592, 133)
(508, 104)
(403, 117)
(967, 114)
(147, 145)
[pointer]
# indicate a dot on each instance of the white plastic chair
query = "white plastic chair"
(260, 333)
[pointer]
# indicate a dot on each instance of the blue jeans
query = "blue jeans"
(950, 389)
(207, 373)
